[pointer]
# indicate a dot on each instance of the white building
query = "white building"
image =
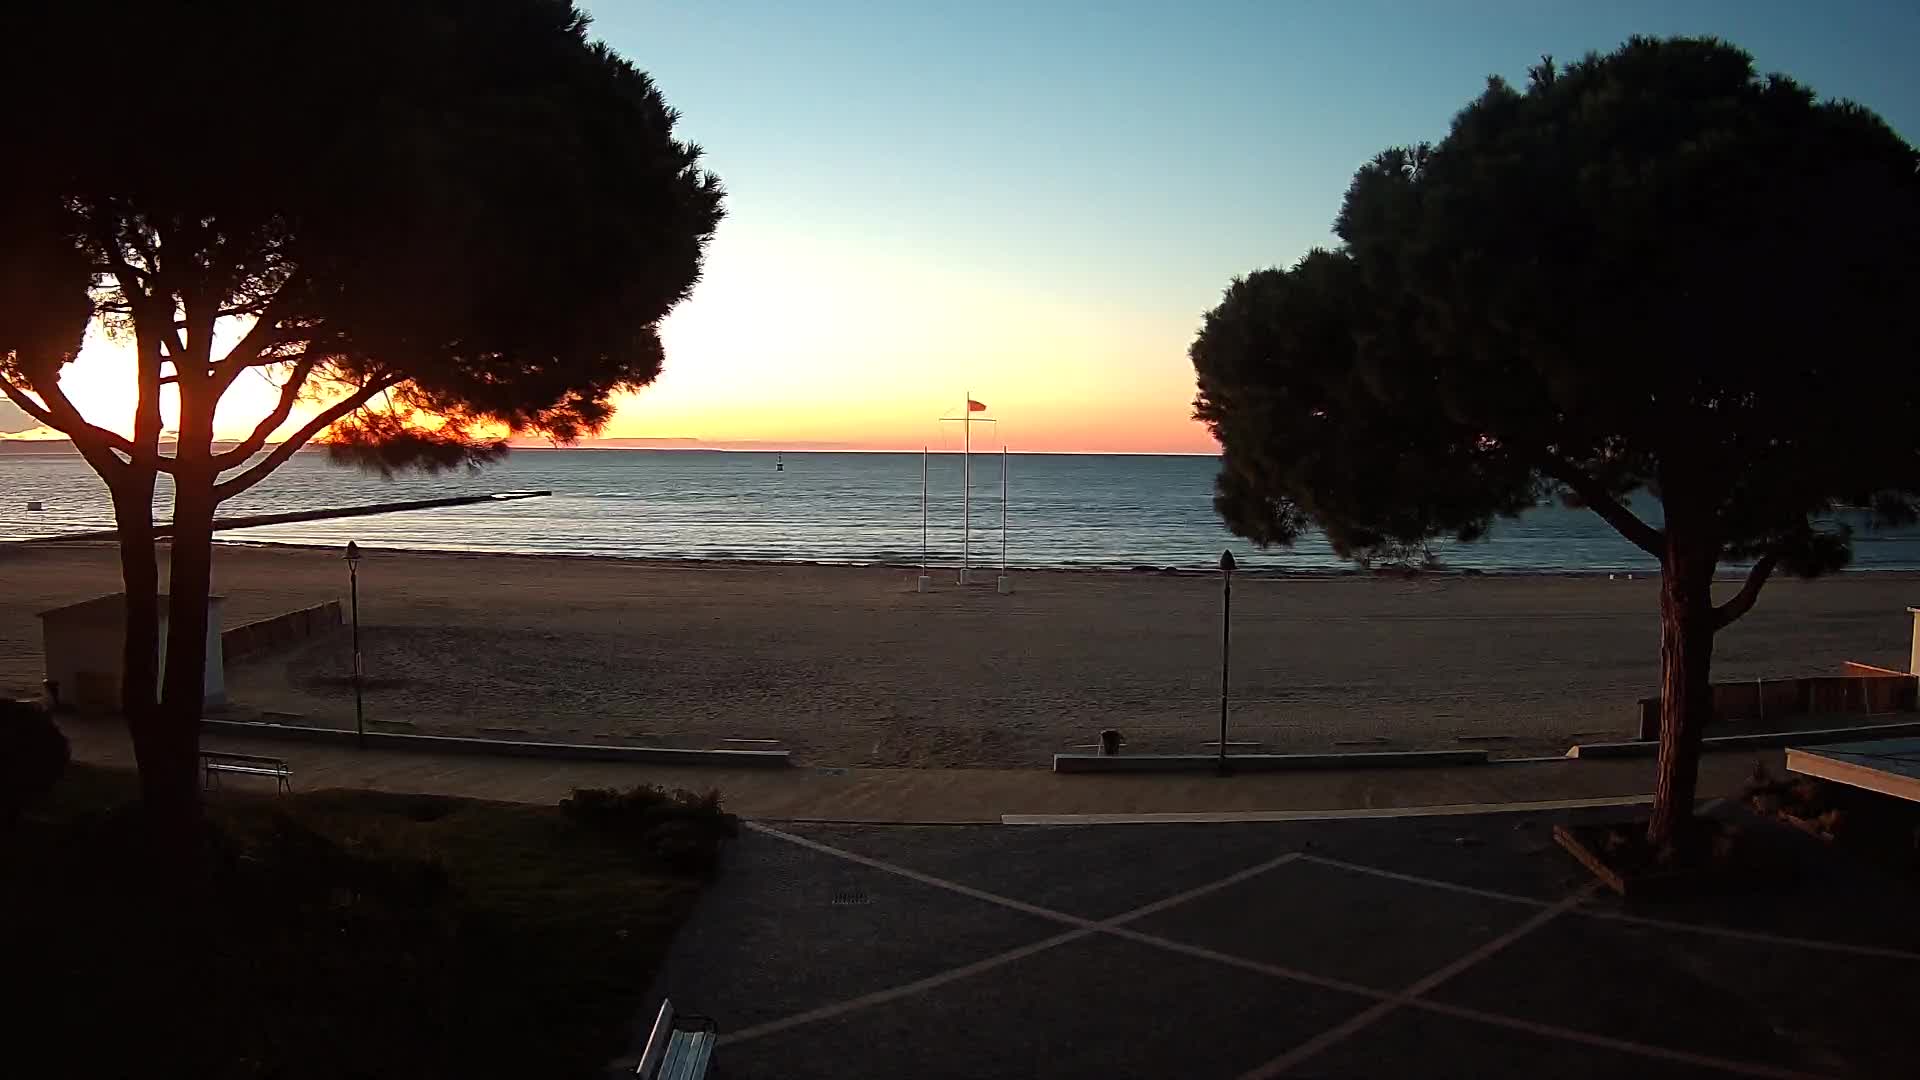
(83, 644)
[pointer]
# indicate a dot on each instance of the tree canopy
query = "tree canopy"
(434, 222)
(468, 212)
(1652, 270)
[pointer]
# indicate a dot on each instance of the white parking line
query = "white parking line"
(1359, 1022)
(924, 879)
(1386, 1001)
(1083, 928)
(1757, 936)
(840, 1008)
(1607, 1042)
(1707, 929)
(1431, 883)
(1739, 1068)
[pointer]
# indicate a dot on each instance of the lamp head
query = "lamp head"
(353, 552)
(1226, 562)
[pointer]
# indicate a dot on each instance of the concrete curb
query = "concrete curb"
(1758, 741)
(1221, 817)
(1160, 763)
(447, 744)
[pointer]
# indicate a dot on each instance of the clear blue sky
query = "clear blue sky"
(1036, 202)
(1113, 160)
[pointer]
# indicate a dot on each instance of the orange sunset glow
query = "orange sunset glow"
(832, 344)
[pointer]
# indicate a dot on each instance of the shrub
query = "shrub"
(33, 754)
(287, 863)
(677, 829)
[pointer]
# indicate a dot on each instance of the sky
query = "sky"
(1035, 203)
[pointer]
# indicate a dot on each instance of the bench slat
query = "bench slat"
(670, 1065)
(687, 1056)
(699, 1054)
(256, 759)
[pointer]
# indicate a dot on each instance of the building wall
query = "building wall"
(82, 647)
(83, 657)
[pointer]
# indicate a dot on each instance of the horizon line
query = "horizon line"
(689, 445)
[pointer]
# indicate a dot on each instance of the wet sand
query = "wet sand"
(849, 666)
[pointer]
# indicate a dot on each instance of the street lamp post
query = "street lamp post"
(1226, 646)
(353, 585)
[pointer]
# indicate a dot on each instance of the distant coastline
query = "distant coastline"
(36, 447)
(64, 447)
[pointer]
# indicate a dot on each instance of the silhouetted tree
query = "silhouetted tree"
(436, 222)
(1650, 270)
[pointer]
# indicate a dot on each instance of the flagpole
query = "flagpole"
(924, 581)
(1006, 586)
(966, 481)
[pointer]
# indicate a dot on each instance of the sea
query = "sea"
(1058, 511)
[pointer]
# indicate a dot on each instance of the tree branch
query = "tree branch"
(28, 405)
(137, 285)
(262, 335)
(1639, 533)
(1742, 601)
(59, 414)
(133, 282)
(176, 345)
(259, 471)
(289, 394)
(226, 313)
(140, 287)
(149, 253)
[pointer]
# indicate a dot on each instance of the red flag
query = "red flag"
(974, 406)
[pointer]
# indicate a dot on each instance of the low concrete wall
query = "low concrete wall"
(1863, 689)
(447, 744)
(279, 631)
(1756, 741)
(1146, 763)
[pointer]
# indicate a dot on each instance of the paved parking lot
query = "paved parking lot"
(1460, 946)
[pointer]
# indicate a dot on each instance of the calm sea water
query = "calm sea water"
(1062, 511)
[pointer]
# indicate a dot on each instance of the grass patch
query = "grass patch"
(334, 934)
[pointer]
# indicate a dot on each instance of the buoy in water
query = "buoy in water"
(36, 506)
(779, 463)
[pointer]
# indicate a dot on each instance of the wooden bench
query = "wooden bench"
(680, 1046)
(213, 763)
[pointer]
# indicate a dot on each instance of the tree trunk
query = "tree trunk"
(167, 767)
(1686, 692)
(163, 769)
(183, 690)
(189, 583)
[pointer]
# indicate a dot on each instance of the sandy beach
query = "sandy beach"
(849, 666)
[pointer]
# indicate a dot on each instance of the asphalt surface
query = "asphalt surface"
(1433, 947)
